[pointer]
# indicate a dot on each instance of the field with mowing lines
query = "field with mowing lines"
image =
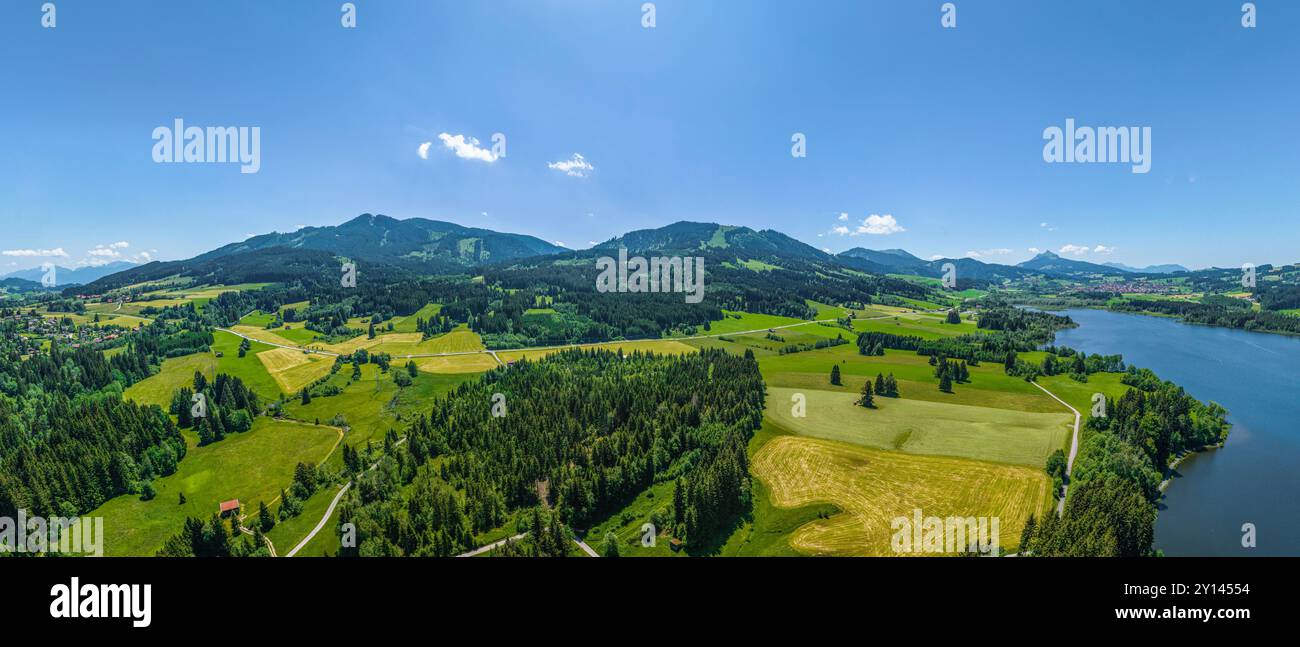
(294, 369)
(929, 428)
(472, 363)
(459, 340)
(252, 467)
(873, 487)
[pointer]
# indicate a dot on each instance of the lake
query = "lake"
(1255, 478)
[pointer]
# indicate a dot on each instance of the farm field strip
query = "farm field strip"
(872, 487)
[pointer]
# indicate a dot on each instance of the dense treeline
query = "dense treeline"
(68, 442)
(1110, 510)
(227, 406)
(64, 456)
(1215, 315)
(580, 432)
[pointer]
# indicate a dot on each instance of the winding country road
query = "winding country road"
(1074, 448)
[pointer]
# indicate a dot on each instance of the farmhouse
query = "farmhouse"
(230, 507)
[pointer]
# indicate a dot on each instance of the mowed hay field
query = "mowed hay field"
(293, 369)
(252, 467)
(920, 427)
(873, 487)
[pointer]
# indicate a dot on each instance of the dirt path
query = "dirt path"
(1074, 448)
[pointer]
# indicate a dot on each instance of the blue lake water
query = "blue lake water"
(1255, 478)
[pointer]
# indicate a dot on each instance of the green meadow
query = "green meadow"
(252, 467)
(920, 427)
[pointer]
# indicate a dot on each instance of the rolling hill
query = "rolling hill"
(416, 243)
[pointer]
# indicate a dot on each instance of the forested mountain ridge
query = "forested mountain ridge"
(416, 243)
(416, 246)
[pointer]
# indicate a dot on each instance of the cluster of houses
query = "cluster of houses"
(1130, 287)
(39, 327)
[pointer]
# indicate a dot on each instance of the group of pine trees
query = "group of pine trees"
(949, 372)
(214, 538)
(583, 432)
(68, 441)
(1115, 483)
(227, 406)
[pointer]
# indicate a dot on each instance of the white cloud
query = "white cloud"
(826, 249)
(935, 257)
(121, 244)
(876, 225)
(143, 257)
(104, 252)
(423, 150)
(1074, 250)
(559, 243)
(844, 216)
(37, 253)
(1034, 250)
(1102, 249)
(999, 251)
(1046, 226)
(841, 230)
(577, 166)
(592, 243)
(466, 148)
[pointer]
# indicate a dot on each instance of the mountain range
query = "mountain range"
(435, 247)
(69, 276)
(1170, 268)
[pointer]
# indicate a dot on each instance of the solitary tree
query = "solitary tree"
(264, 519)
(610, 546)
(953, 317)
(880, 385)
(835, 374)
(867, 400)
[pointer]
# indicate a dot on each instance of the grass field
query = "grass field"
(247, 368)
(459, 340)
(293, 369)
(925, 326)
(252, 467)
(407, 324)
(929, 428)
(989, 385)
(176, 372)
(286, 534)
(660, 346)
(872, 487)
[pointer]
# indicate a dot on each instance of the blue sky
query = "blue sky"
(940, 129)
